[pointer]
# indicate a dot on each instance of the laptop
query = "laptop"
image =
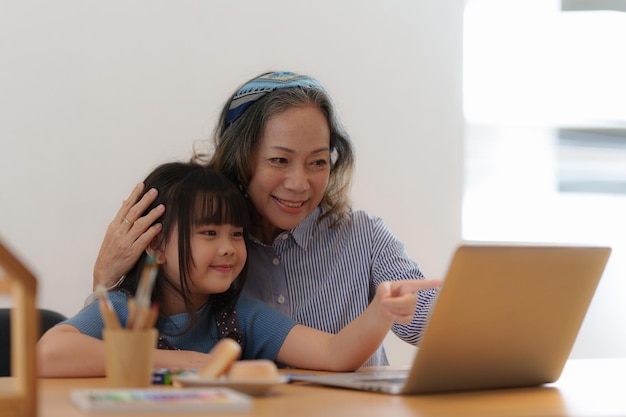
(506, 316)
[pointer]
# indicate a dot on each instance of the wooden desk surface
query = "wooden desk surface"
(587, 387)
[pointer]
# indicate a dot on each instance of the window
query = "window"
(545, 108)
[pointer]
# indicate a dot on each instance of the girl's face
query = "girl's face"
(291, 169)
(218, 254)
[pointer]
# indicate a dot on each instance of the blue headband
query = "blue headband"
(263, 85)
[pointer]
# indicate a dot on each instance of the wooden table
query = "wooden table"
(587, 387)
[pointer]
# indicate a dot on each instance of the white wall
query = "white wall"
(94, 94)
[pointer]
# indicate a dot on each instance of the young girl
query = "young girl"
(201, 253)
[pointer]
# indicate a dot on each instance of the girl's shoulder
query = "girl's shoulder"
(119, 294)
(249, 307)
(246, 302)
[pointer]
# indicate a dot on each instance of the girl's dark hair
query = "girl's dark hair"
(193, 195)
(234, 145)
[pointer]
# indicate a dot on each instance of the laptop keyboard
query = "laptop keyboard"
(397, 380)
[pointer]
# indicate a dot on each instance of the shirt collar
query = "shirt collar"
(301, 233)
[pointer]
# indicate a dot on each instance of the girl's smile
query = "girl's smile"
(222, 268)
(218, 257)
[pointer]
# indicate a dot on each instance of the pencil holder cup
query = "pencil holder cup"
(129, 357)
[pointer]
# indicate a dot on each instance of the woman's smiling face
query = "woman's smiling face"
(291, 169)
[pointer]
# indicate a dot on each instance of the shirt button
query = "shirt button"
(285, 236)
(281, 299)
(276, 261)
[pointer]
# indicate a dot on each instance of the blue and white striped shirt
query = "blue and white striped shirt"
(325, 277)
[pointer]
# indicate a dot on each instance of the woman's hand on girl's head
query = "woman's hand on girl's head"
(127, 236)
(398, 299)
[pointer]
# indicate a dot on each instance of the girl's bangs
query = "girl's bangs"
(220, 208)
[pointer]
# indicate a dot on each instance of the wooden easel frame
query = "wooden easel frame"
(21, 284)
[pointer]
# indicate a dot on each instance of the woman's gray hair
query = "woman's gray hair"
(234, 145)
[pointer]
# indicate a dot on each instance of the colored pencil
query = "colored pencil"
(109, 317)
